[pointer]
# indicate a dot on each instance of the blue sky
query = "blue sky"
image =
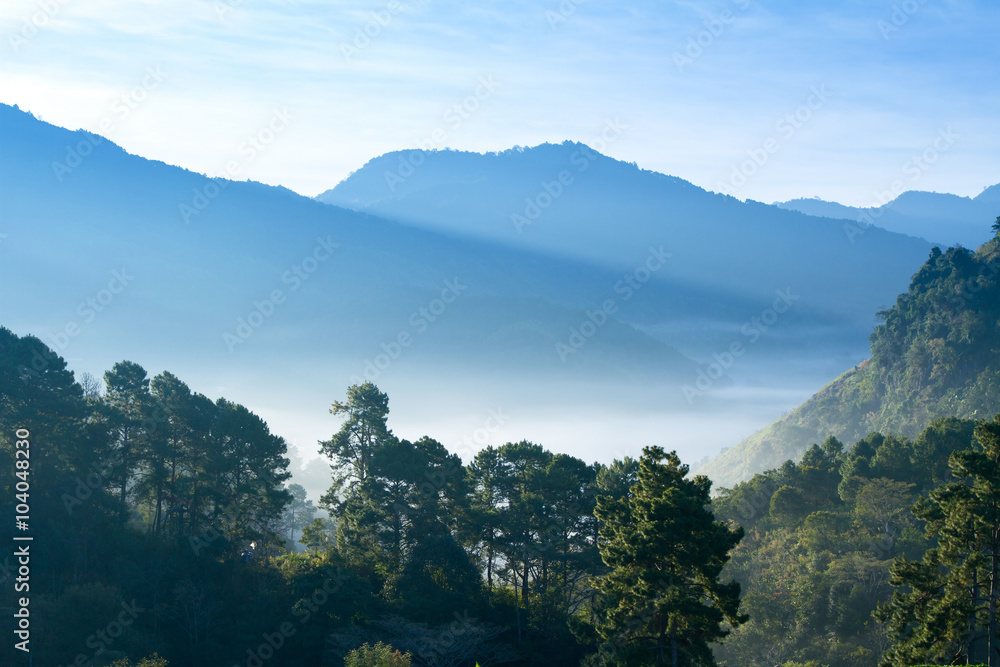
(770, 100)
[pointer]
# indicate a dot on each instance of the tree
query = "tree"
(951, 608)
(246, 468)
(662, 599)
(483, 528)
(996, 226)
(380, 655)
(883, 505)
(128, 397)
(319, 536)
(522, 470)
(299, 513)
(352, 447)
(151, 661)
(172, 447)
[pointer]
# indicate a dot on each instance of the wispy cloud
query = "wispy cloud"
(229, 66)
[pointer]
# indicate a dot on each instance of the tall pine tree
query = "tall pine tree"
(662, 602)
(949, 612)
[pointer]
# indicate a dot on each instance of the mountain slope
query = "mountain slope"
(218, 246)
(568, 199)
(281, 302)
(937, 353)
(943, 219)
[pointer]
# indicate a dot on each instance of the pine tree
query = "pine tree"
(662, 602)
(129, 401)
(352, 447)
(949, 613)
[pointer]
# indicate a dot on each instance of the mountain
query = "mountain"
(936, 354)
(281, 302)
(607, 329)
(570, 200)
(942, 219)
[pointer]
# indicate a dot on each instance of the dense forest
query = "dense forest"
(935, 354)
(165, 530)
(164, 526)
(164, 533)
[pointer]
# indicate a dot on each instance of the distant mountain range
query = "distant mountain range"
(568, 200)
(942, 219)
(936, 354)
(604, 318)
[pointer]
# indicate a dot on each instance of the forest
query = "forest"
(164, 532)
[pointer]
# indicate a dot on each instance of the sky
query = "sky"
(764, 100)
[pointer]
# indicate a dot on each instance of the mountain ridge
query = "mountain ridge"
(936, 354)
(940, 218)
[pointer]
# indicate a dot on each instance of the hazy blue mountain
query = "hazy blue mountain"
(943, 219)
(570, 200)
(199, 260)
(108, 256)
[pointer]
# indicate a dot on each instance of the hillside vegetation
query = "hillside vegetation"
(936, 353)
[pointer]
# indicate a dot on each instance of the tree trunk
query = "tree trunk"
(994, 648)
(674, 656)
(524, 593)
(489, 568)
(661, 637)
(125, 448)
(517, 606)
(971, 643)
(159, 507)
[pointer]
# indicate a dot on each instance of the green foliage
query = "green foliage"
(814, 573)
(948, 608)
(935, 354)
(380, 655)
(150, 661)
(363, 432)
(522, 556)
(662, 599)
(319, 536)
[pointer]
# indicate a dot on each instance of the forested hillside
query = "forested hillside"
(161, 523)
(821, 535)
(936, 353)
(163, 529)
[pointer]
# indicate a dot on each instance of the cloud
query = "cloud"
(231, 62)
